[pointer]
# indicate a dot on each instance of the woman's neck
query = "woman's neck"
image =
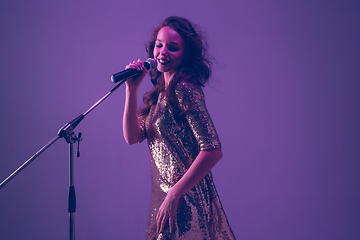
(168, 76)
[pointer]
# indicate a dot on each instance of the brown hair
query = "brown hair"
(195, 67)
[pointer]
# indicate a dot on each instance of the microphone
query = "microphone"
(150, 64)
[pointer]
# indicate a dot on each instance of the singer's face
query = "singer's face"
(168, 50)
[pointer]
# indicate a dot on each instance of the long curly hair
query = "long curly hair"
(195, 66)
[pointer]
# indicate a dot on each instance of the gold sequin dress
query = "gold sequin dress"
(173, 147)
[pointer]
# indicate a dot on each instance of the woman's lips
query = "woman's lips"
(164, 61)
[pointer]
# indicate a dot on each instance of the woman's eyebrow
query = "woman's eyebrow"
(174, 43)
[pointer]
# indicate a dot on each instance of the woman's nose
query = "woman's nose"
(164, 51)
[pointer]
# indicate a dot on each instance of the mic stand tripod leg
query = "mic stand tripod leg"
(65, 132)
(17, 171)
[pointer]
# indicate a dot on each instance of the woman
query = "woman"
(183, 142)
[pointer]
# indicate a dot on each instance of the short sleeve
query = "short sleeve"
(142, 128)
(192, 103)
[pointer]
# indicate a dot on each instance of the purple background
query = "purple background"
(284, 98)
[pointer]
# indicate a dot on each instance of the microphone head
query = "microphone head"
(150, 64)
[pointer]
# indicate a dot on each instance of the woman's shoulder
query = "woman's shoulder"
(186, 87)
(188, 91)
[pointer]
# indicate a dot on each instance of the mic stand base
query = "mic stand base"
(67, 133)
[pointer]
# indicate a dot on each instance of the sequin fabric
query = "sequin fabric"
(173, 146)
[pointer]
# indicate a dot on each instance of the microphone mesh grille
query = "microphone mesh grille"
(152, 62)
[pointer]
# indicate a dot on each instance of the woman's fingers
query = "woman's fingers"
(167, 212)
(138, 65)
(135, 81)
(157, 216)
(163, 222)
(160, 222)
(171, 223)
(162, 218)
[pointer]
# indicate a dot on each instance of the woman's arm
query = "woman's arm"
(131, 128)
(203, 163)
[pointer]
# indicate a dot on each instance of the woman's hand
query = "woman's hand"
(134, 82)
(131, 129)
(203, 163)
(167, 212)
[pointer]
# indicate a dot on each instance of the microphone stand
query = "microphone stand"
(66, 132)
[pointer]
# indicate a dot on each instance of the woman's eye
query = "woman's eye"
(173, 49)
(158, 45)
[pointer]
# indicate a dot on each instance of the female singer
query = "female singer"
(183, 142)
